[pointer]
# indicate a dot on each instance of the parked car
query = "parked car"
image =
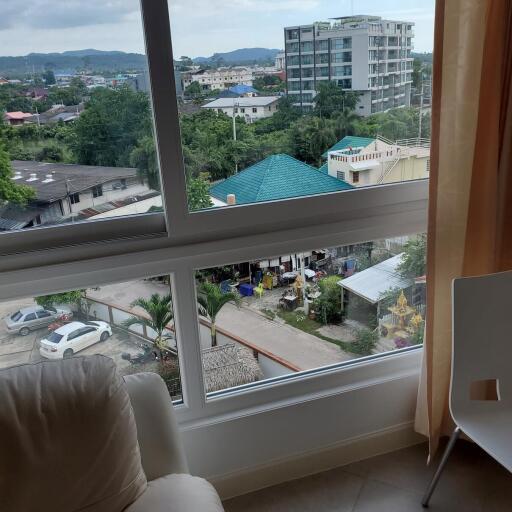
(73, 337)
(34, 317)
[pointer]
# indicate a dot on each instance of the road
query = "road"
(299, 348)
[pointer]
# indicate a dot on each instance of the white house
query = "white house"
(364, 161)
(251, 109)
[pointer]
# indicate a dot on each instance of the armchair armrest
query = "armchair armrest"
(159, 439)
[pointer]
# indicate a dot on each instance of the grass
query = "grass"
(305, 324)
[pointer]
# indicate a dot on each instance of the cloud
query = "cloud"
(54, 14)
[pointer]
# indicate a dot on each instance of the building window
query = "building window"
(97, 191)
(242, 110)
(355, 177)
(255, 110)
(74, 198)
(340, 175)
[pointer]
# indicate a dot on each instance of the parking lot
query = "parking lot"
(16, 349)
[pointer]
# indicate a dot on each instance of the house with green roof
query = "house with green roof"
(276, 177)
(350, 141)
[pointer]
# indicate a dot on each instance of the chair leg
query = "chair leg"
(435, 479)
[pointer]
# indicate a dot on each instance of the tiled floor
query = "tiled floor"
(395, 482)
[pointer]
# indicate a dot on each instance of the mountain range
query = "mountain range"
(116, 61)
(241, 56)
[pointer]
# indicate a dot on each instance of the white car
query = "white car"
(73, 337)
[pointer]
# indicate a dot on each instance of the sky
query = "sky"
(199, 27)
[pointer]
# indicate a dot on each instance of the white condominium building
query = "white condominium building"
(220, 78)
(360, 53)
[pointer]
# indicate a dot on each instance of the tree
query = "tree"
(50, 153)
(414, 260)
(10, 191)
(331, 98)
(328, 305)
(193, 90)
(111, 126)
(160, 312)
(344, 122)
(198, 194)
(49, 77)
(143, 157)
(72, 297)
(310, 138)
(211, 300)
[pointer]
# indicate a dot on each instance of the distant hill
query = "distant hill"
(90, 59)
(240, 56)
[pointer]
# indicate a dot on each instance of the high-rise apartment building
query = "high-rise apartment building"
(365, 54)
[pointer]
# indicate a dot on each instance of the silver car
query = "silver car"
(34, 317)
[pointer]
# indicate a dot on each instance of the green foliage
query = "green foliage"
(210, 300)
(414, 260)
(193, 90)
(143, 157)
(9, 190)
(269, 313)
(310, 138)
(19, 103)
(111, 126)
(364, 342)
(269, 84)
(49, 77)
(331, 98)
(72, 297)
(50, 153)
(160, 312)
(198, 194)
(328, 304)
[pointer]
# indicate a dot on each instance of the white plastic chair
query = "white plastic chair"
(482, 351)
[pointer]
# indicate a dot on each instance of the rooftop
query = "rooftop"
(255, 101)
(56, 181)
(17, 115)
(373, 282)
(276, 177)
(350, 141)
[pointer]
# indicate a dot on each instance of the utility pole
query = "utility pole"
(235, 103)
(68, 197)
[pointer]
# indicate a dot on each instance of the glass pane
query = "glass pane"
(268, 318)
(277, 105)
(130, 322)
(76, 136)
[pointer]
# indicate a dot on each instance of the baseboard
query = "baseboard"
(308, 463)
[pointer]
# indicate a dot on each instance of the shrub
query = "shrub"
(328, 305)
(364, 342)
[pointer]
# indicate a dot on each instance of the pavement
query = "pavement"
(303, 350)
(16, 349)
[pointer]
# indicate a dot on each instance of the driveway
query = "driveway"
(16, 349)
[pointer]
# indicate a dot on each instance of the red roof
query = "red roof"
(17, 115)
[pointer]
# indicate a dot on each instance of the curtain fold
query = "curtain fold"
(470, 205)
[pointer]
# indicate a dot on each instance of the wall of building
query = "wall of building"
(261, 112)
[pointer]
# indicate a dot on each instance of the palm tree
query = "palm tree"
(159, 310)
(345, 122)
(210, 300)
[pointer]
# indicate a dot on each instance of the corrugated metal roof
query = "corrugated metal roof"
(254, 101)
(373, 282)
(350, 141)
(276, 177)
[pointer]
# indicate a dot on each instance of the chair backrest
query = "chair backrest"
(482, 340)
(68, 438)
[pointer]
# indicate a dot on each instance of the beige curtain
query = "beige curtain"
(470, 205)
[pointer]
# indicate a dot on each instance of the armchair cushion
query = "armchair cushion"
(68, 439)
(178, 493)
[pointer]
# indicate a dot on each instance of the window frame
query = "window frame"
(54, 259)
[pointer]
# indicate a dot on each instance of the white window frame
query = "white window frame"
(53, 259)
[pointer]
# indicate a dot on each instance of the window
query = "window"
(242, 110)
(255, 110)
(188, 206)
(97, 191)
(74, 148)
(297, 312)
(306, 46)
(131, 322)
(322, 45)
(355, 177)
(74, 198)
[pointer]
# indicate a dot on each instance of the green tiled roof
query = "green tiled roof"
(350, 141)
(324, 168)
(276, 177)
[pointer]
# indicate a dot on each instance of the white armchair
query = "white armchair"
(75, 437)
